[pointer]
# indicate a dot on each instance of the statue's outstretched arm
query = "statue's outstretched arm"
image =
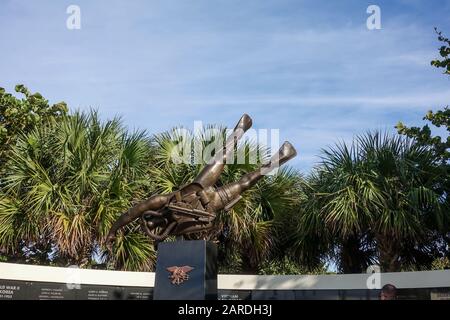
(153, 203)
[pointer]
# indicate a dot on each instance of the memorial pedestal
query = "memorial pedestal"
(186, 270)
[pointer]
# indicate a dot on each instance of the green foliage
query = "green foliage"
(64, 186)
(439, 119)
(66, 182)
(253, 230)
(439, 146)
(441, 264)
(287, 266)
(376, 195)
(19, 116)
(444, 52)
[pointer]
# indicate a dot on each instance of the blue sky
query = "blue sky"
(309, 68)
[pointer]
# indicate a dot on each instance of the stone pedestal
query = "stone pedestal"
(186, 270)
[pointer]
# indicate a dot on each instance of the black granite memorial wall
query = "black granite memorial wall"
(28, 290)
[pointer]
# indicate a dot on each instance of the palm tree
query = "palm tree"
(376, 199)
(65, 184)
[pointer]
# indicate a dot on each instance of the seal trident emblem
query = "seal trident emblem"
(179, 274)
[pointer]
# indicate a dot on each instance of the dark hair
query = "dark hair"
(389, 288)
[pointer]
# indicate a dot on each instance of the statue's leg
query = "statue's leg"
(231, 191)
(212, 171)
(153, 203)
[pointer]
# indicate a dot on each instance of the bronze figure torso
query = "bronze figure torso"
(193, 208)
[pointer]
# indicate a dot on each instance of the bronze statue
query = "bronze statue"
(193, 208)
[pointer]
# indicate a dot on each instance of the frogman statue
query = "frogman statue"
(193, 208)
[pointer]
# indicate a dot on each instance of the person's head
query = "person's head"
(388, 292)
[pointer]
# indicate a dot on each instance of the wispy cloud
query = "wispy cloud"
(309, 68)
(413, 100)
